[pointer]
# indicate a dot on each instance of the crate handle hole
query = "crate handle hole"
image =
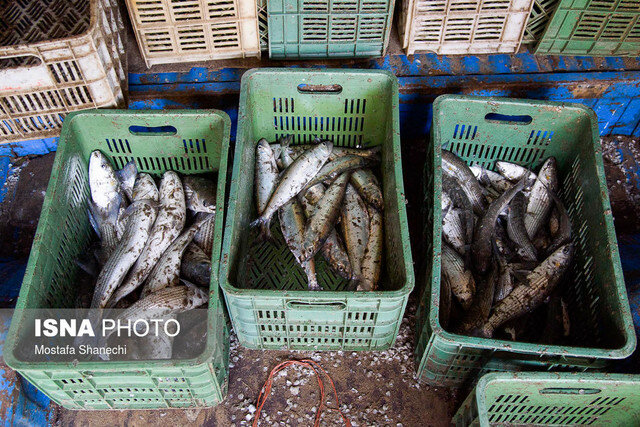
(152, 130)
(17, 61)
(568, 390)
(305, 88)
(326, 306)
(509, 119)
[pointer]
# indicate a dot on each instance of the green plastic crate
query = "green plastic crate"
(266, 291)
(593, 27)
(198, 144)
(538, 19)
(328, 28)
(546, 398)
(480, 131)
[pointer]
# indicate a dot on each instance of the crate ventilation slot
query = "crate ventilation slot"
(194, 146)
(465, 132)
(118, 146)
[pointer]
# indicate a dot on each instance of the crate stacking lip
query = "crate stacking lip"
(454, 27)
(170, 31)
(52, 62)
(593, 27)
(328, 28)
(548, 398)
(266, 292)
(481, 130)
(198, 144)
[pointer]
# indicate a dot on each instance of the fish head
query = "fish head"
(263, 146)
(102, 180)
(145, 188)
(326, 147)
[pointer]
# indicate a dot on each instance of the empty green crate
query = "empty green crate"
(266, 291)
(190, 142)
(328, 28)
(594, 28)
(547, 398)
(538, 19)
(482, 130)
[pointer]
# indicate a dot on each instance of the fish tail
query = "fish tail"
(485, 332)
(265, 227)
(354, 283)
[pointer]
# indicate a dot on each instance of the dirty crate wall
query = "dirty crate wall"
(265, 290)
(198, 144)
(481, 131)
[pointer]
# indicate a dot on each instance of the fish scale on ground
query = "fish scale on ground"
(336, 218)
(519, 252)
(149, 239)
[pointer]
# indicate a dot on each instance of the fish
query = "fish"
(459, 198)
(266, 174)
(170, 220)
(554, 222)
(294, 151)
(372, 260)
(332, 169)
(484, 230)
(517, 231)
(204, 236)
(196, 265)
(453, 231)
(456, 168)
(540, 202)
(460, 280)
(445, 204)
(199, 193)
(292, 180)
(504, 284)
(525, 297)
(140, 217)
(445, 302)
(479, 311)
(563, 232)
(106, 201)
(292, 224)
(324, 217)
(514, 172)
(366, 183)
(167, 270)
(490, 178)
(127, 178)
(355, 229)
(145, 188)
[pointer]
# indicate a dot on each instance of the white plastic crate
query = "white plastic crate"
(449, 27)
(170, 31)
(57, 56)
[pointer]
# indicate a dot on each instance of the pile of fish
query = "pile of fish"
(155, 243)
(328, 200)
(506, 247)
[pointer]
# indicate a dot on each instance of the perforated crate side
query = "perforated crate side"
(265, 290)
(596, 298)
(192, 30)
(328, 28)
(541, 14)
(450, 27)
(82, 71)
(593, 27)
(199, 145)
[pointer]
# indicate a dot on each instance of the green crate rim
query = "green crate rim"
(514, 346)
(233, 194)
(108, 366)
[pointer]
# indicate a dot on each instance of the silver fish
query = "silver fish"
(453, 231)
(294, 151)
(517, 231)
(292, 223)
(140, 218)
(445, 204)
(490, 178)
(106, 201)
(355, 229)
(367, 185)
(460, 280)
(527, 296)
(563, 230)
(481, 246)
(504, 285)
(514, 172)
(266, 174)
(169, 222)
(540, 202)
(324, 217)
(293, 179)
(200, 194)
(372, 260)
(479, 311)
(332, 169)
(457, 169)
(459, 198)
(167, 270)
(145, 188)
(127, 178)
(204, 236)
(196, 265)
